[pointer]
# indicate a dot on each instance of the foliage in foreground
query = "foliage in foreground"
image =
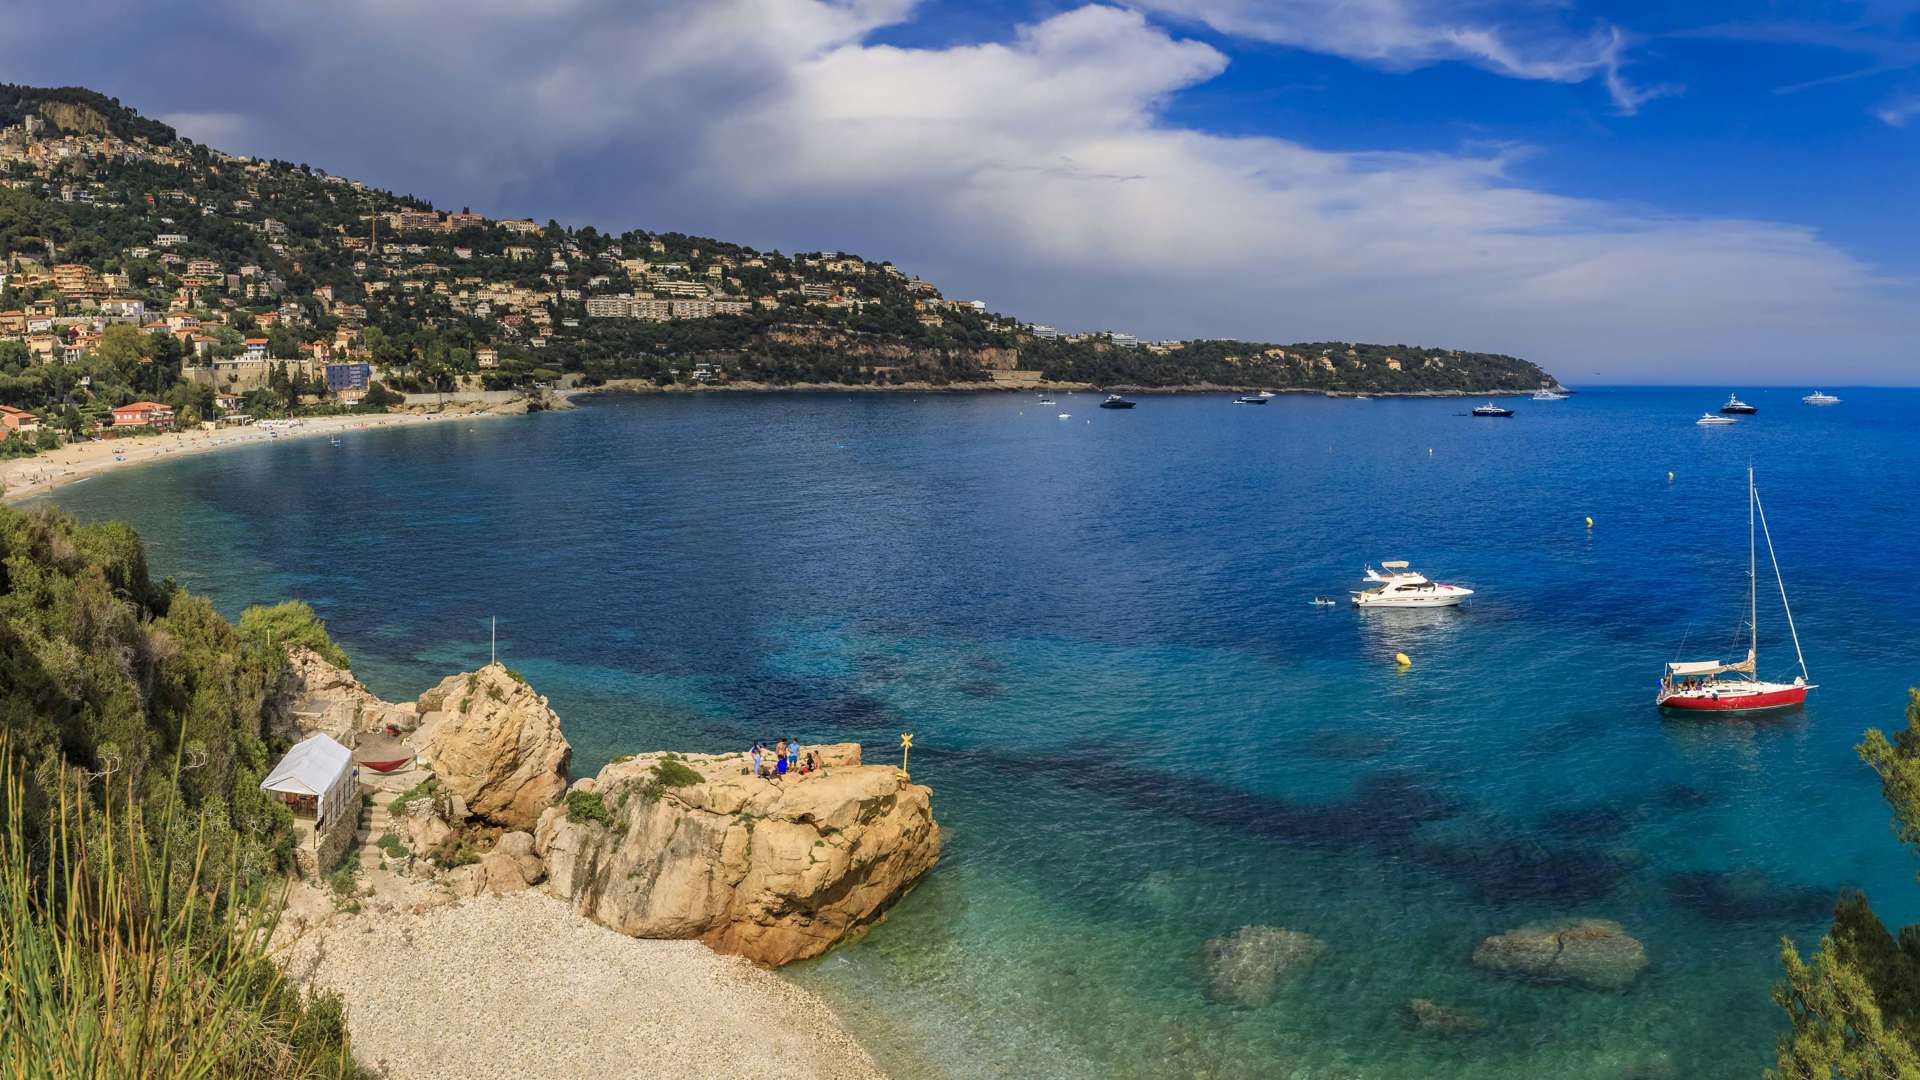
(116, 963)
(1855, 1008)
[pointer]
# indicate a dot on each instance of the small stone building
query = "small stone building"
(318, 783)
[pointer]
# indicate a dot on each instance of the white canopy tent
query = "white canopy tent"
(319, 768)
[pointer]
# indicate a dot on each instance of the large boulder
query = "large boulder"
(665, 846)
(1598, 953)
(1245, 968)
(316, 695)
(495, 744)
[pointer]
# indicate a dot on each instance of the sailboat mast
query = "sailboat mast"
(1782, 582)
(1753, 578)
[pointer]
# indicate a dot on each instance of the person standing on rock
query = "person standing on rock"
(780, 758)
(793, 755)
(755, 755)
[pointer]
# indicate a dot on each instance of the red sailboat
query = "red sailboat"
(1711, 686)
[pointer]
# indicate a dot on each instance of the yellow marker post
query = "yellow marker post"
(906, 744)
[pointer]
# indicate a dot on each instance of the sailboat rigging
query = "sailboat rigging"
(1711, 686)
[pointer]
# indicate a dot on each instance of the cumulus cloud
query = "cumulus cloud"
(1039, 173)
(1413, 33)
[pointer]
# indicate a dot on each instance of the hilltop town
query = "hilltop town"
(147, 281)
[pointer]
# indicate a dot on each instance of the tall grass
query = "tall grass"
(116, 962)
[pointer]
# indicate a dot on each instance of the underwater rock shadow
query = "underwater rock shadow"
(1748, 896)
(1384, 817)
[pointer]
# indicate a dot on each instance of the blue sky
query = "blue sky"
(1654, 192)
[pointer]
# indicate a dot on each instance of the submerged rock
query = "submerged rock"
(1432, 1018)
(775, 871)
(1245, 968)
(1597, 953)
(495, 744)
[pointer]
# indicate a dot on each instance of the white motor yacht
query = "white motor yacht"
(1710, 420)
(1400, 587)
(1820, 398)
(1548, 394)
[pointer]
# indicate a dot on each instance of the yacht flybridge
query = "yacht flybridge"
(1711, 686)
(1400, 587)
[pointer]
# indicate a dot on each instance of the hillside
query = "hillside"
(154, 267)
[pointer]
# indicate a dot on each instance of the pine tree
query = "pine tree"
(1856, 1008)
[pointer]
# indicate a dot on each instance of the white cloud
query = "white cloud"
(1898, 112)
(1404, 34)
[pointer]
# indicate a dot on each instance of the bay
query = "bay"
(1139, 733)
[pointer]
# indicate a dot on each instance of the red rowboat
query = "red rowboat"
(1711, 686)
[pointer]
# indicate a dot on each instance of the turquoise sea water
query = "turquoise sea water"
(1139, 734)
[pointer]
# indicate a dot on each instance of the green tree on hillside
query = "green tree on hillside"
(1856, 1008)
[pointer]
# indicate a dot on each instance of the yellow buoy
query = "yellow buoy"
(1400, 658)
(1589, 523)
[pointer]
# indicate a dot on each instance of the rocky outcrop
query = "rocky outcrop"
(1598, 953)
(316, 695)
(664, 846)
(1245, 968)
(495, 744)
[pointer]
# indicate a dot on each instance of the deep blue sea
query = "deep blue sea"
(1139, 733)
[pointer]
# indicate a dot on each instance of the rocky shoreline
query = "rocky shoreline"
(455, 935)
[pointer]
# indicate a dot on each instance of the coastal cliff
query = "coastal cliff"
(775, 871)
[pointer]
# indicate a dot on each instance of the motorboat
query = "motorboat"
(1264, 394)
(1324, 601)
(1548, 394)
(1710, 420)
(1820, 398)
(1115, 401)
(1735, 405)
(1045, 400)
(1397, 586)
(1490, 409)
(1066, 416)
(1250, 400)
(1711, 686)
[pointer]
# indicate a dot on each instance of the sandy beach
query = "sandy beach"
(522, 986)
(24, 478)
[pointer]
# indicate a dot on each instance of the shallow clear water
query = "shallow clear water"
(1138, 732)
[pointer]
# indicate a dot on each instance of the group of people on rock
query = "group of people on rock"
(780, 761)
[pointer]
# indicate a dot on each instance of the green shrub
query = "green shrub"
(393, 846)
(583, 806)
(290, 623)
(671, 772)
(422, 790)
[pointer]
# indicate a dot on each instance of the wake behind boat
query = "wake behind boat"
(1711, 686)
(1400, 587)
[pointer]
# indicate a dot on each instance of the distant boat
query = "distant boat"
(1490, 409)
(1697, 685)
(1735, 405)
(1115, 401)
(1710, 420)
(1251, 400)
(1819, 398)
(1045, 400)
(1321, 601)
(1548, 394)
(1066, 416)
(1264, 394)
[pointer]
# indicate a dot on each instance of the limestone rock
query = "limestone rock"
(1432, 1018)
(1245, 967)
(775, 871)
(1590, 952)
(316, 696)
(468, 880)
(495, 745)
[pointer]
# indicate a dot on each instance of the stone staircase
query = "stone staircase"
(376, 820)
